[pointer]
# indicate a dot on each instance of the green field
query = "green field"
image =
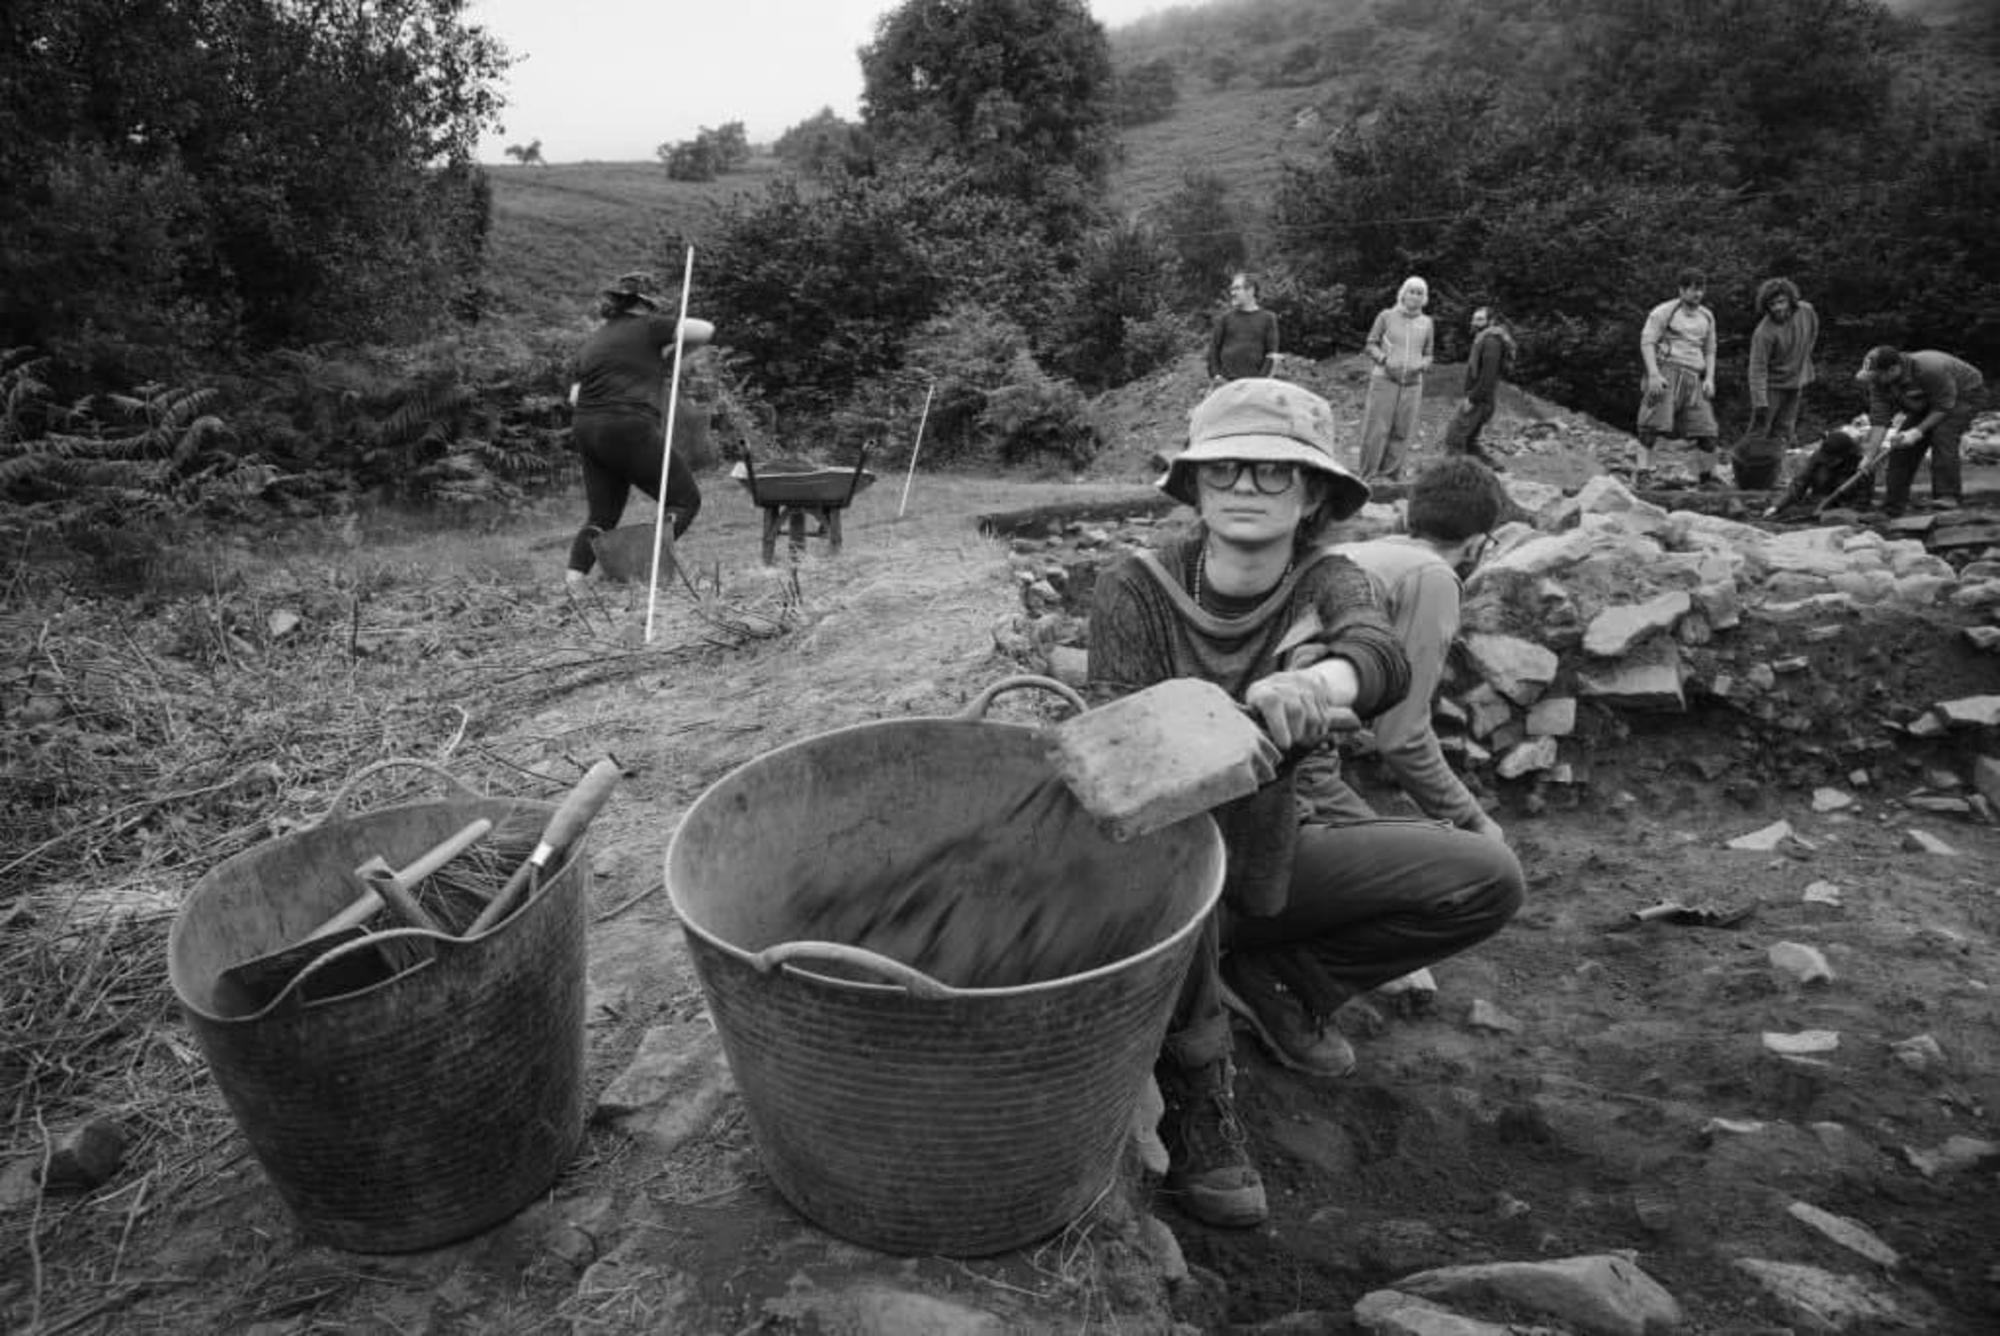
(559, 232)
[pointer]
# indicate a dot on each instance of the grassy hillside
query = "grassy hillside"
(561, 231)
(1263, 82)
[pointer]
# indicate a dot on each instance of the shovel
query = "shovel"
(250, 985)
(1163, 754)
(576, 812)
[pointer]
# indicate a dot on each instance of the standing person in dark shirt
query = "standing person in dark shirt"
(1311, 915)
(621, 378)
(1492, 347)
(1245, 339)
(1781, 366)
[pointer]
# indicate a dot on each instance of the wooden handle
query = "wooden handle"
(371, 901)
(578, 808)
(383, 879)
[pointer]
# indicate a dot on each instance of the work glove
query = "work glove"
(1905, 439)
(1298, 708)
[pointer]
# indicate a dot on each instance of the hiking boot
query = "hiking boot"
(1298, 1039)
(1208, 1162)
(1945, 503)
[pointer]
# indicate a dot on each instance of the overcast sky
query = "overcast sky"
(615, 79)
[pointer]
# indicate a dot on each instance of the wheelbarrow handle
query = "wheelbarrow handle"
(919, 983)
(1020, 681)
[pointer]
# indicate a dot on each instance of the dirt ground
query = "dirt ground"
(1617, 1095)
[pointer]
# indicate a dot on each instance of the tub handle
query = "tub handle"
(977, 710)
(337, 810)
(291, 998)
(919, 983)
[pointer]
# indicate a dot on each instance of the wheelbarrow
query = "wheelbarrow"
(793, 490)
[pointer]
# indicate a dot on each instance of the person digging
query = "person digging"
(621, 375)
(1311, 914)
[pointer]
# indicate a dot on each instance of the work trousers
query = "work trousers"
(1369, 902)
(622, 451)
(1388, 426)
(1462, 436)
(1941, 442)
(1779, 419)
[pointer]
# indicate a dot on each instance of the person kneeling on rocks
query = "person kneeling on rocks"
(1833, 464)
(1417, 577)
(1311, 914)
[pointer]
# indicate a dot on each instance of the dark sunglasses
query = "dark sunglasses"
(1271, 477)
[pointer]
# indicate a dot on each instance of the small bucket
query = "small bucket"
(888, 1107)
(625, 554)
(434, 1104)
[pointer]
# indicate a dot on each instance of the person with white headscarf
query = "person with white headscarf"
(1401, 344)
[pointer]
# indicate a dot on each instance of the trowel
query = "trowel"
(1163, 754)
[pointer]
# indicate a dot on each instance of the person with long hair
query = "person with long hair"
(1401, 343)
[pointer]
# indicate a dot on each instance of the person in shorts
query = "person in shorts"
(1678, 348)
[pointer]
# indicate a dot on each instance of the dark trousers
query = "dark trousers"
(620, 452)
(1941, 443)
(1780, 418)
(1462, 436)
(1369, 902)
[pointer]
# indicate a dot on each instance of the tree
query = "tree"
(285, 173)
(528, 153)
(1147, 92)
(821, 289)
(711, 153)
(1019, 92)
(820, 144)
(1203, 236)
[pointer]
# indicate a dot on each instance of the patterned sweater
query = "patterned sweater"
(1145, 627)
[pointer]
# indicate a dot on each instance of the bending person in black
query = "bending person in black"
(621, 373)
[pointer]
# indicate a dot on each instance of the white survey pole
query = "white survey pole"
(911, 476)
(667, 456)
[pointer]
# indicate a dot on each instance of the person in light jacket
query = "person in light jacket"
(1401, 344)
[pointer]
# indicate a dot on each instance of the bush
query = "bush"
(990, 402)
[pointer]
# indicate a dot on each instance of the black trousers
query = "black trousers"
(620, 452)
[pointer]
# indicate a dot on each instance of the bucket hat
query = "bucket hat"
(635, 288)
(1259, 418)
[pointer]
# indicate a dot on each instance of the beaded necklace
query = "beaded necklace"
(1201, 568)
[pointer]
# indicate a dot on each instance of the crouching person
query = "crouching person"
(1834, 469)
(1311, 915)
